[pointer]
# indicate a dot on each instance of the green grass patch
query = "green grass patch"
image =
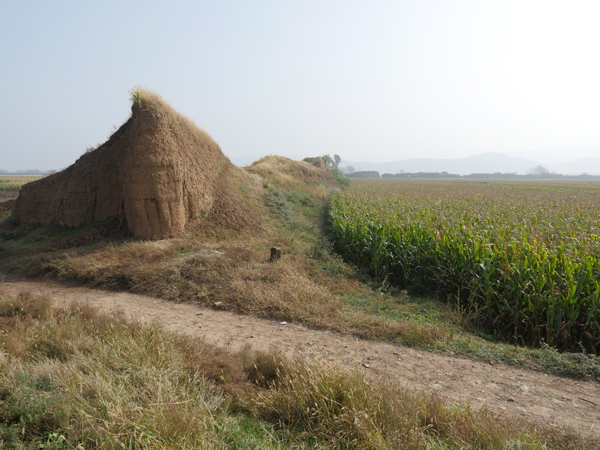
(464, 339)
(402, 307)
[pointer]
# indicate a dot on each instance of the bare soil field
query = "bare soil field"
(509, 391)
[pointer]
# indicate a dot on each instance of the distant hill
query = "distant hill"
(482, 163)
(591, 166)
(559, 155)
(480, 176)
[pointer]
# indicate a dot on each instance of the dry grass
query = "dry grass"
(237, 275)
(341, 407)
(71, 376)
(302, 176)
(104, 382)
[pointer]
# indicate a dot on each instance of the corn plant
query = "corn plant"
(528, 254)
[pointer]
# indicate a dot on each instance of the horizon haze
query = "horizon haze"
(380, 81)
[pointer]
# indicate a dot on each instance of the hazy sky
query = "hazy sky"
(369, 80)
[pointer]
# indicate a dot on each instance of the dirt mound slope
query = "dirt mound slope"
(7, 200)
(6, 205)
(155, 173)
(6, 196)
(289, 174)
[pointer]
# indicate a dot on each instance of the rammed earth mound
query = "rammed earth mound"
(154, 174)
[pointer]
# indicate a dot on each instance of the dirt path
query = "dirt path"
(510, 391)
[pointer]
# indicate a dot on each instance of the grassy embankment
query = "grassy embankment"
(310, 285)
(74, 378)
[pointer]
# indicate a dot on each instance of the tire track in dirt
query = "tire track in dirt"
(509, 391)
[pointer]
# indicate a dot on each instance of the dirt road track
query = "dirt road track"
(509, 391)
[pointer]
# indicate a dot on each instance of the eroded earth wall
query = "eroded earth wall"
(156, 172)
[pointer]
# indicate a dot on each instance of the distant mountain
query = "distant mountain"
(591, 166)
(516, 162)
(481, 163)
(559, 155)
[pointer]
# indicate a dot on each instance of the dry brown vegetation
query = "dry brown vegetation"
(314, 178)
(236, 275)
(72, 376)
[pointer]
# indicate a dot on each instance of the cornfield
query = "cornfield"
(14, 182)
(526, 255)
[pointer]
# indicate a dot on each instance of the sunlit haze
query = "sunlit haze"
(371, 81)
